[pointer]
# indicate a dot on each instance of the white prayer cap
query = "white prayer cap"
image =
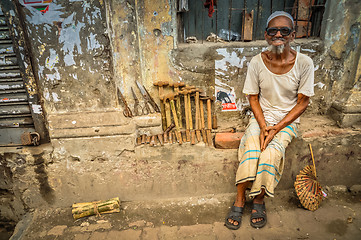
(280, 13)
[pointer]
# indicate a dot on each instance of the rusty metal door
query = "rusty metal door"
(15, 113)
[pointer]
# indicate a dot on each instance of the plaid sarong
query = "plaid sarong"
(263, 169)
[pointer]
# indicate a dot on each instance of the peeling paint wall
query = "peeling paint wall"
(71, 54)
(83, 50)
(223, 67)
(142, 38)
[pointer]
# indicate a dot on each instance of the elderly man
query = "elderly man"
(279, 83)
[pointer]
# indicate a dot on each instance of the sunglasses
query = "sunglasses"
(285, 31)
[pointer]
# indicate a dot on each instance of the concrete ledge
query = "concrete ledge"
(92, 124)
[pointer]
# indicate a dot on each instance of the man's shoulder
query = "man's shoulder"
(256, 59)
(304, 59)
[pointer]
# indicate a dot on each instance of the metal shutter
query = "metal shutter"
(15, 114)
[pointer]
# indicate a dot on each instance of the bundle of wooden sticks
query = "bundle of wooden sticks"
(180, 112)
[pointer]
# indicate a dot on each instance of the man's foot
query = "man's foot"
(258, 215)
(234, 218)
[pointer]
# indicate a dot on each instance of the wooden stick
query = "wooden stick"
(185, 97)
(165, 137)
(160, 138)
(144, 138)
(152, 141)
(167, 112)
(160, 85)
(209, 137)
(190, 111)
(214, 122)
(209, 114)
(202, 121)
(197, 110)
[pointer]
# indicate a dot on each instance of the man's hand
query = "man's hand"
(262, 136)
(271, 131)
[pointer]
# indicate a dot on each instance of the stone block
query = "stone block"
(81, 236)
(355, 189)
(87, 119)
(221, 231)
(167, 232)
(200, 231)
(129, 234)
(228, 140)
(57, 230)
(338, 188)
(88, 124)
(150, 234)
(90, 148)
(137, 224)
(99, 236)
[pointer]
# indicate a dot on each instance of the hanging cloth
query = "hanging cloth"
(210, 5)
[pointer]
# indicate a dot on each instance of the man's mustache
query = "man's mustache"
(278, 38)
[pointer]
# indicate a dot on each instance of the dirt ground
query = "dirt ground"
(201, 218)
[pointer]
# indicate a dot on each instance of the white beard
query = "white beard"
(276, 49)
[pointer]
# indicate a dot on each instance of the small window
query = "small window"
(244, 20)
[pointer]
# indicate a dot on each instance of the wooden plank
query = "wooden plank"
(301, 29)
(222, 16)
(264, 12)
(303, 12)
(248, 26)
(236, 17)
(209, 24)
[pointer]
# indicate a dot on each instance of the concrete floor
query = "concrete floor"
(201, 218)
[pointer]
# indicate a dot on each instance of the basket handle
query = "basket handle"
(313, 160)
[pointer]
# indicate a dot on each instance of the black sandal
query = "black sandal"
(260, 213)
(236, 215)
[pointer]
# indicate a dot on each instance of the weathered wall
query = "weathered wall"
(341, 34)
(225, 65)
(71, 55)
(82, 56)
(142, 37)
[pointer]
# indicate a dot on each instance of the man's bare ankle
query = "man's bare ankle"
(240, 202)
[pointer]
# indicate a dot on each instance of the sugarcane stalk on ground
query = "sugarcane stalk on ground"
(95, 208)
